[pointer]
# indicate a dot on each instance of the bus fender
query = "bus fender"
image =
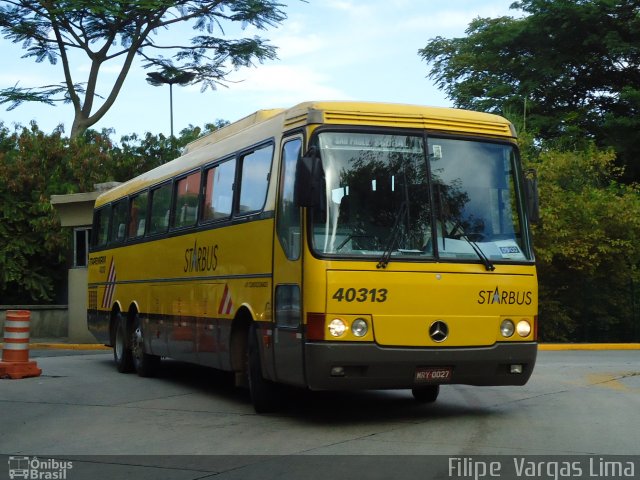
(245, 317)
(264, 331)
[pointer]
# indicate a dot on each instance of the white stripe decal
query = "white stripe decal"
(226, 304)
(223, 299)
(16, 335)
(16, 324)
(15, 346)
(111, 286)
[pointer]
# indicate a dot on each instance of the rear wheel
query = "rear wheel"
(121, 348)
(426, 393)
(144, 364)
(264, 394)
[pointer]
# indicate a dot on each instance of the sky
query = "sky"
(327, 50)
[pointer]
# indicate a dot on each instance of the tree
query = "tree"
(587, 247)
(137, 154)
(108, 31)
(34, 166)
(570, 70)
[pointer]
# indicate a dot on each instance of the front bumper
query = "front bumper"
(370, 366)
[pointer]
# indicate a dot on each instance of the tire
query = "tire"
(264, 394)
(426, 393)
(144, 364)
(121, 348)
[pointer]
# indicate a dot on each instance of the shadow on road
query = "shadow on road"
(326, 407)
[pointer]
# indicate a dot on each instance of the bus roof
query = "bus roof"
(317, 112)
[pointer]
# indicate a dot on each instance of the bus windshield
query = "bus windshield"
(380, 202)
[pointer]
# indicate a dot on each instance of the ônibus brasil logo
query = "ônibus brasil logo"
(36, 469)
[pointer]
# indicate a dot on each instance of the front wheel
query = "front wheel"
(264, 394)
(426, 394)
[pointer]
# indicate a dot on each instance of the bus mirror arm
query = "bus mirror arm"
(531, 191)
(308, 188)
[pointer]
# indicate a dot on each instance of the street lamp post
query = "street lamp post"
(171, 77)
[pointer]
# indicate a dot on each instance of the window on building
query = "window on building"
(80, 246)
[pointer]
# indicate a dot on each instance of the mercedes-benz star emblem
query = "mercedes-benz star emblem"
(438, 331)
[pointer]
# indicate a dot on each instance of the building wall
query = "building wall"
(47, 321)
(78, 331)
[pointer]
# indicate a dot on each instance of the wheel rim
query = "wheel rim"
(136, 344)
(119, 342)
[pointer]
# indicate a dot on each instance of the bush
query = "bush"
(587, 247)
(34, 166)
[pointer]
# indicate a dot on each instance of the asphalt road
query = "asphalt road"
(191, 423)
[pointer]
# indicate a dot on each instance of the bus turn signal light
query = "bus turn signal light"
(315, 326)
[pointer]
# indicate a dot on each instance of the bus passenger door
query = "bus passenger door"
(287, 273)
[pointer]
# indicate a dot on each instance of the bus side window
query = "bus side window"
(119, 221)
(255, 179)
(218, 191)
(185, 207)
(288, 214)
(160, 205)
(137, 215)
(101, 227)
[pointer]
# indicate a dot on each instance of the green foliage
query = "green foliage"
(119, 31)
(34, 166)
(571, 69)
(587, 247)
(567, 74)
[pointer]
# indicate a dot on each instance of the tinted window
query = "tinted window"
(255, 179)
(160, 204)
(186, 204)
(138, 215)
(288, 215)
(101, 227)
(119, 222)
(218, 193)
(476, 199)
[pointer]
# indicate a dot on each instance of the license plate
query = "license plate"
(433, 374)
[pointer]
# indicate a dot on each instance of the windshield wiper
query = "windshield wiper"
(477, 250)
(393, 237)
(485, 260)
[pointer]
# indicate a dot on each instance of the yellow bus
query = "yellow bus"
(330, 246)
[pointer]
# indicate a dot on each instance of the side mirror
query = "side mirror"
(531, 193)
(308, 188)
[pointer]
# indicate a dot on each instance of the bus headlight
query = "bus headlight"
(507, 328)
(359, 327)
(523, 328)
(337, 327)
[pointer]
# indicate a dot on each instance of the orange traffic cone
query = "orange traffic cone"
(15, 352)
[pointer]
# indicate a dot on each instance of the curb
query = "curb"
(588, 346)
(65, 346)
